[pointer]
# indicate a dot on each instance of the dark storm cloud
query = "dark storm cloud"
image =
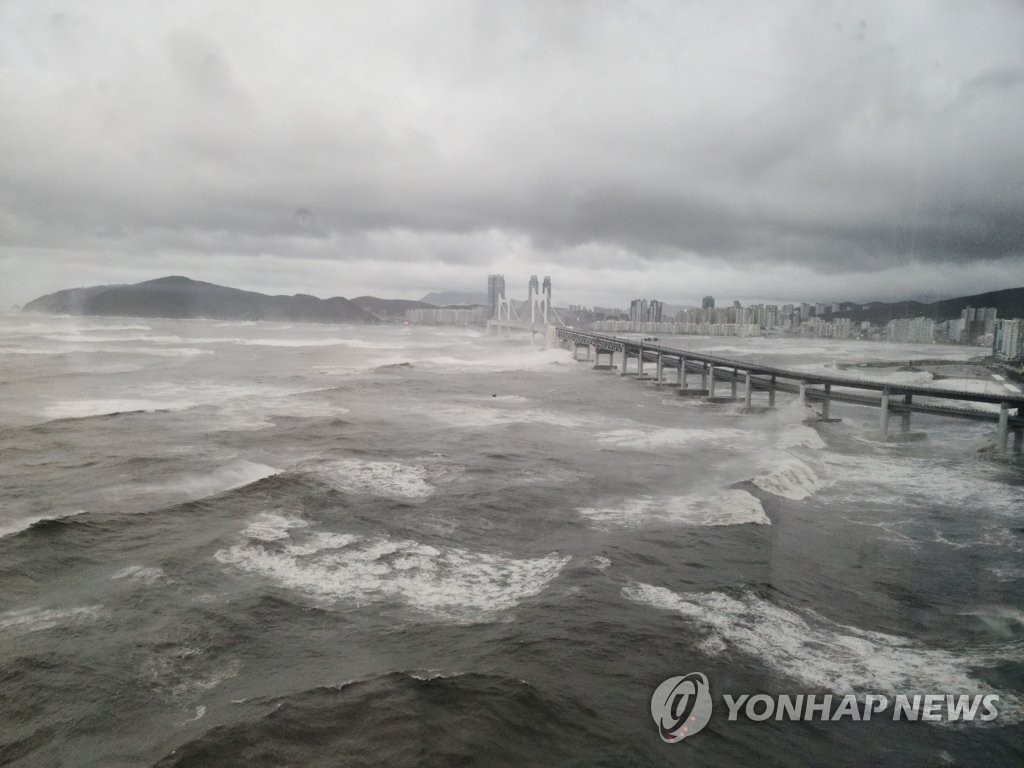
(796, 140)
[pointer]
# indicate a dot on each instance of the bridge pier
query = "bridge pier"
(884, 415)
(625, 362)
(771, 393)
(712, 398)
(803, 393)
(1004, 422)
(668, 364)
(598, 365)
(1018, 440)
(905, 416)
(826, 405)
(659, 370)
(684, 389)
(749, 391)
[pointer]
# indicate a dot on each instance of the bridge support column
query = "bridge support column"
(826, 403)
(771, 393)
(905, 416)
(682, 372)
(749, 391)
(711, 381)
(640, 364)
(732, 389)
(704, 377)
(803, 393)
(625, 362)
(1004, 422)
(659, 370)
(884, 416)
(1018, 440)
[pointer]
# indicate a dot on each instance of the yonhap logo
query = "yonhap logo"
(681, 706)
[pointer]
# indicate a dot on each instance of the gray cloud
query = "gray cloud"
(868, 146)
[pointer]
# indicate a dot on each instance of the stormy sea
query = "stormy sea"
(254, 544)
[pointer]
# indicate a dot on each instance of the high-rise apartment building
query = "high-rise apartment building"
(495, 291)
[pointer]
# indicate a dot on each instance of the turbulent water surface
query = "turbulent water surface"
(267, 545)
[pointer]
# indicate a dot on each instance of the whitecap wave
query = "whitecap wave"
(727, 507)
(80, 409)
(800, 436)
(10, 527)
(36, 619)
(141, 573)
(448, 583)
(655, 438)
(476, 416)
(789, 477)
(235, 474)
(914, 482)
(822, 654)
(381, 478)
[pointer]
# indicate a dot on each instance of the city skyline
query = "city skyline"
(767, 152)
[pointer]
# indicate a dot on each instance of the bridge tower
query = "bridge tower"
(541, 310)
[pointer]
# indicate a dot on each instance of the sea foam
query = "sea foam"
(382, 478)
(727, 507)
(447, 582)
(822, 654)
(36, 619)
(789, 477)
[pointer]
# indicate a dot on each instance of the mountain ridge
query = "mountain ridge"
(1009, 303)
(180, 297)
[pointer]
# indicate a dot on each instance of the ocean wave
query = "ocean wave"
(655, 438)
(800, 436)
(82, 409)
(448, 583)
(405, 719)
(822, 654)
(382, 478)
(11, 527)
(140, 573)
(917, 482)
(37, 619)
(482, 417)
(36, 329)
(501, 359)
(237, 473)
(789, 477)
(86, 338)
(727, 507)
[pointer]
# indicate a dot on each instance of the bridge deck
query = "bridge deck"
(791, 380)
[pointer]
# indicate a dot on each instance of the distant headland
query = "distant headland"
(182, 297)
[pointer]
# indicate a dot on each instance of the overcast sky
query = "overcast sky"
(753, 150)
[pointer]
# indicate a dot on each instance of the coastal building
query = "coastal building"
(449, 316)
(1008, 339)
(495, 291)
(918, 330)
